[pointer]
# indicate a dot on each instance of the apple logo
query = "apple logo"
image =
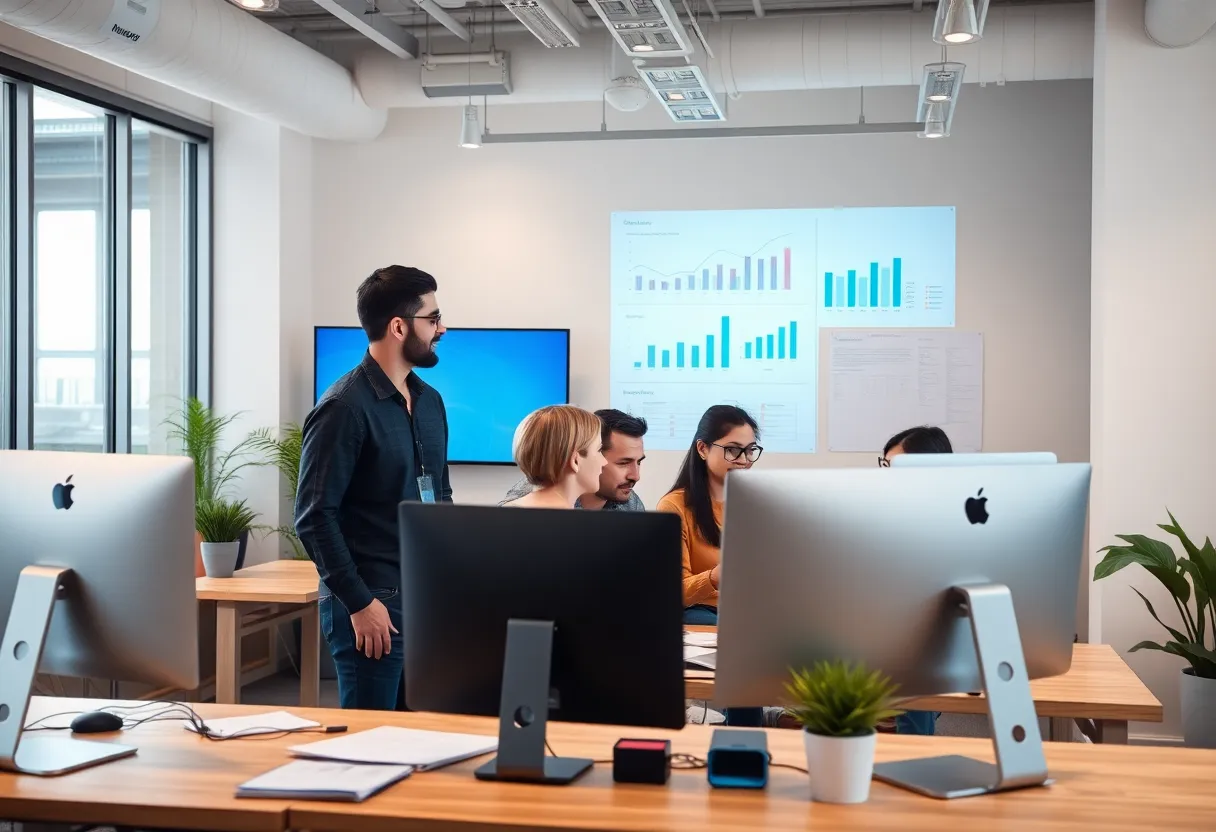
(975, 508)
(62, 494)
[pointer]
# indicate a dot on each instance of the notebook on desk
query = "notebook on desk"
(323, 780)
(390, 745)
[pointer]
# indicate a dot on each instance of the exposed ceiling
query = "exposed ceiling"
(309, 22)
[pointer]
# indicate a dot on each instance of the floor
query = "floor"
(284, 689)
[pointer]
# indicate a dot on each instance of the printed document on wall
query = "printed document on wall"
(882, 382)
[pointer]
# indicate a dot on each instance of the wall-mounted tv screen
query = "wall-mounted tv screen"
(490, 379)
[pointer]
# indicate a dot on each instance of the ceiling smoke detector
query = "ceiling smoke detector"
(644, 28)
(627, 94)
(545, 22)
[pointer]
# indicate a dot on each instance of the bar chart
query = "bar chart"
(879, 287)
(751, 273)
(713, 350)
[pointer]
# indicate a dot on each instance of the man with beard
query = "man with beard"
(378, 436)
(621, 435)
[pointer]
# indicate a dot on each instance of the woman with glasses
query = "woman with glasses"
(725, 441)
(924, 439)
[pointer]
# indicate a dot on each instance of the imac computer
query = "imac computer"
(960, 460)
(96, 581)
(538, 614)
(949, 580)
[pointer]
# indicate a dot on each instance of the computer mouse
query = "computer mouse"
(96, 722)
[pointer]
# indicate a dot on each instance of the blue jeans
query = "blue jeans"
(705, 615)
(923, 723)
(363, 683)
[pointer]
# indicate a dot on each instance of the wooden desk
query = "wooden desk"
(1100, 693)
(290, 588)
(182, 781)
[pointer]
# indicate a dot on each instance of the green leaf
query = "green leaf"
(1203, 596)
(1118, 557)
(1180, 637)
(1147, 645)
(1157, 549)
(1176, 530)
(223, 521)
(1202, 659)
(840, 699)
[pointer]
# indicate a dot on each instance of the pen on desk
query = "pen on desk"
(335, 729)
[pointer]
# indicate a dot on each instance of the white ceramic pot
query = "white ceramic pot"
(840, 767)
(219, 559)
(1198, 710)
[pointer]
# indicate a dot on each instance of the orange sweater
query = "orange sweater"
(699, 556)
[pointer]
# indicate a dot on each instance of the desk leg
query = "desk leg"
(310, 657)
(227, 653)
(1110, 731)
(1059, 729)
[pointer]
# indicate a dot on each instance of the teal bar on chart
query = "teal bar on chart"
(679, 353)
(781, 342)
(637, 364)
(827, 290)
(759, 346)
(897, 292)
(725, 341)
(852, 288)
(840, 298)
(886, 286)
(709, 350)
(770, 345)
(863, 292)
(873, 284)
(696, 356)
(666, 358)
(747, 350)
(650, 356)
(793, 339)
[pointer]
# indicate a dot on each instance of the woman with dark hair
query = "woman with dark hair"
(725, 441)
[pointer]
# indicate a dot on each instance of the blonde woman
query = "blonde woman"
(560, 452)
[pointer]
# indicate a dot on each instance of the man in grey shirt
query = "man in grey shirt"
(622, 437)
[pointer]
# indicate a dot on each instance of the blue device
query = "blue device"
(738, 759)
(490, 379)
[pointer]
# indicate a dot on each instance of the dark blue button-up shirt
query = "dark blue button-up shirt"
(363, 453)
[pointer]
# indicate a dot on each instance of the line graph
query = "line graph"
(722, 252)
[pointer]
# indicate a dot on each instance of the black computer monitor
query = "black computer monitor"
(538, 614)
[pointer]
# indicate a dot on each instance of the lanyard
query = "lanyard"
(414, 435)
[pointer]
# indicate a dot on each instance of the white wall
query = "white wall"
(262, 292)
(517, 235)
(1154, 391)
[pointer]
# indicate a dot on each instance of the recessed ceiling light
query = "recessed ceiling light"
(643, 47)
(258, 5)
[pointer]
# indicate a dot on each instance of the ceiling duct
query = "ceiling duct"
(1178, 23)
(1022, 43)
(211, 49)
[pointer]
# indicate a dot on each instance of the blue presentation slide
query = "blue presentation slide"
(490, 379)
(713, 307)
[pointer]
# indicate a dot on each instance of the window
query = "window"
(105, 202)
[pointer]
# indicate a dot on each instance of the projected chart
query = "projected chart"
(882, 267)
(716, 307)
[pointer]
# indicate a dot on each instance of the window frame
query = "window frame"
(17, 379)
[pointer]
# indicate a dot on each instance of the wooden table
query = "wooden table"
(1100, 693)
(183, 781)
(258, 598)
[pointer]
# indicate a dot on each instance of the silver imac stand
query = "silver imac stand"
(24, 638)
(1011, 715)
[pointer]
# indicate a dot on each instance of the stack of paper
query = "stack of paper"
(706, 657)
(389, 745)
(701, 639)
(319, 780)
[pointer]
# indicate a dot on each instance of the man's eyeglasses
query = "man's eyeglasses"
(883, 462)
(435, 319)
(733, 452)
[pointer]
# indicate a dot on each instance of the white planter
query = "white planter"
(840, 767)
(1198, 710)
(219, 559)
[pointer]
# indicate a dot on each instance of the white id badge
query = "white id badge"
(426, 489)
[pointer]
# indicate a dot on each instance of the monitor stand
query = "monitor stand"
(24, 638)
(524, 712)
(1011, 715)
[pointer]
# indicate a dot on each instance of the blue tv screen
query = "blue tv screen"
(490, 379)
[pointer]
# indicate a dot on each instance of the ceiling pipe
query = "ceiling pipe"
(445, 20)
(212, 49)
(1176, 24)
(374, 26)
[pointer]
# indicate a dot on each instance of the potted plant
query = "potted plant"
(221, 523)
(839, 706)
(283, 453)
(1188, 578)
(200, 432)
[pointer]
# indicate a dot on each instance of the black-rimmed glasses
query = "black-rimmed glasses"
(733, 452)
(883, 462)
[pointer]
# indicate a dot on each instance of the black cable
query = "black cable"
(179, 711)
(688, 761)
(784, 765)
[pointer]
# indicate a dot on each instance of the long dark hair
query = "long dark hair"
(718, 421)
